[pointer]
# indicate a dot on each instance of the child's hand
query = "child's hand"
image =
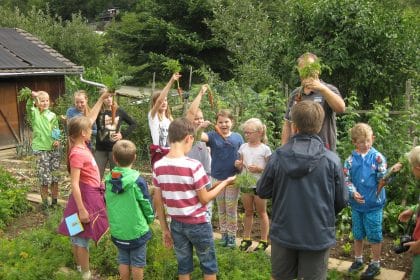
(414, 247)
(176, 76)
(34, 94)
(358, 197)
(84, 216)
(204, 88)
(105, 95)
(405, 215)
(205, 124)
(254, 169)
(239, 164)
(167, 239)
(230, 180)
(396, 167)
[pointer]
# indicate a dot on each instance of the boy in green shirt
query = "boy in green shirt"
(129, 210)
(45, 143)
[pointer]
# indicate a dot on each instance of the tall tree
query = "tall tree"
(160, 30)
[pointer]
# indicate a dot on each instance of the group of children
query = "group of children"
(191, 168)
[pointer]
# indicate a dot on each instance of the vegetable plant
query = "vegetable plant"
(173, 66)
(245, 181)
(24, 94)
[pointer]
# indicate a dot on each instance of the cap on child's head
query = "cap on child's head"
(124, 152)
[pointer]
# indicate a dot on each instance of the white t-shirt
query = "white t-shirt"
(159, 129)
(255, 156)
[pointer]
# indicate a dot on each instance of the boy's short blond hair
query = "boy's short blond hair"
(124, 152)
(414, 156)
(308, 117)
(361, 131)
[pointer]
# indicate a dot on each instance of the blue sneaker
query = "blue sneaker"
(231, 241)
(356, 267)
(371, 272)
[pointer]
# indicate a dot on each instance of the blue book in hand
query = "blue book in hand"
(73, 224)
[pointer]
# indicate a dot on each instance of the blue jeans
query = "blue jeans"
(198, 236)
(133, 257)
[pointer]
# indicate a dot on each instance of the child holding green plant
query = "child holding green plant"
(224, 145)
(159, 118)
(253, 157)
(109, 123)
(312, 88)
(414, 159)
(364, 170)
(45, 143)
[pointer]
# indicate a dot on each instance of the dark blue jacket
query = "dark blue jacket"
(306, 184)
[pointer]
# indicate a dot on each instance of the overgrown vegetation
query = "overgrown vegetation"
(12, 198)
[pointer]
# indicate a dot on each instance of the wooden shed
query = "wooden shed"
(25, 61)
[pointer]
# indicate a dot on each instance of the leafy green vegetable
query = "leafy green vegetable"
(24, 94)
(245, 181)
(172, 65)
(310, 70)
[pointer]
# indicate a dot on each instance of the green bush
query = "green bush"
(12, 198)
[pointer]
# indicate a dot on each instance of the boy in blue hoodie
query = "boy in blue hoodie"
(306, 183)
(129, 210)
(365, 173)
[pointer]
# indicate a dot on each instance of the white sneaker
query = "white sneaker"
(86, 275)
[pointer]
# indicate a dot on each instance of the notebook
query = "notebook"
(73, 224)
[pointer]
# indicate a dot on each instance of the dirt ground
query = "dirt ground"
(24, 172)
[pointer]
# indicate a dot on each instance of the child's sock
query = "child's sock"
(79, 268)
(359, 259)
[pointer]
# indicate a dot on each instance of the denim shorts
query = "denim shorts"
(367, 224)
(133, 257)
(198, 236)
(80, 241)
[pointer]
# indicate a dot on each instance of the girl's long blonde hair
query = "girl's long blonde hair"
(257, 124)
(84, 94)
(168, 113)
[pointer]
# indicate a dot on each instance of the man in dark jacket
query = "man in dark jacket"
(306, 184)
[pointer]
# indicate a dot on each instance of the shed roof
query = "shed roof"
(22, 54)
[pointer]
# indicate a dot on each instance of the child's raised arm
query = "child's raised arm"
(93, 114)
(164, 94)
(193, 109)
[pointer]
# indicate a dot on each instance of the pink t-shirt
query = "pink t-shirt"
(82, 158)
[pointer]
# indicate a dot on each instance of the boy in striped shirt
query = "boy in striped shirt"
(181, 186)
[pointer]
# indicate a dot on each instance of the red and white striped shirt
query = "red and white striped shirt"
(179, 180)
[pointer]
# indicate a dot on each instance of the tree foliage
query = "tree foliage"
(370, 45)
(160, 30)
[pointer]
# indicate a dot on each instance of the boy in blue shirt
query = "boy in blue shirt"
(364, 169)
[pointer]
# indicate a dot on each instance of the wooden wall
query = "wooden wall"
(12, 113)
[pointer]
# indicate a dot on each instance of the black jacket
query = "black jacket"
(106, 128)
(306, 184)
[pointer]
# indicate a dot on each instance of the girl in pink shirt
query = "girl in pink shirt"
(87, 193)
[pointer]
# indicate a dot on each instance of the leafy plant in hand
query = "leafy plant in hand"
(173, 66)
(245, 181)
(24, 94)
